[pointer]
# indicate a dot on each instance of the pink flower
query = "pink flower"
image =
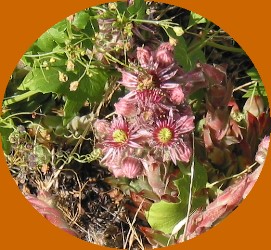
(170, 137)
(132, 167)
(129, 80)
(158, 70)
(153, 99)
(121, 137)
(125, 107)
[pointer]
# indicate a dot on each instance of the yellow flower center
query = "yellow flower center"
(145, 82)
(165, 135)
(119, 136)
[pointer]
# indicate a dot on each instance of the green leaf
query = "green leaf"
(200, 176)
(58, 36)
(90, 88)
(94, 86)
(257, 88)
(196, 56)
(61, 26)
(4, 136)
(178, 30)
(46, 42)
(138, 8)
(44, 81)
(254, 75)
(48, 81)
(181, 54)
(164, 216)
(71, 108)
(81, 19)
(196, 19)
(121, 6)
(199, 182)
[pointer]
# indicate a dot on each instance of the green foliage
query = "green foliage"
(196, 19)
(257, 88)
(163, 216)
(81, 19)
(138, 9)
(78, 61)
(199, 182)
(6, 128)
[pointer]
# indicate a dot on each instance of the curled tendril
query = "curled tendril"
(65, 158)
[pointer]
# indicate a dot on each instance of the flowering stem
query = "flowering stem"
(113, 59)
(190, 188)
(162, 23)
(44, 54)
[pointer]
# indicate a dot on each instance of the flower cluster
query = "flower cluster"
(153, 120)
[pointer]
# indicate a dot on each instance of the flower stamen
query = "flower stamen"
(165, 135)
(145, 83)
(119, 136)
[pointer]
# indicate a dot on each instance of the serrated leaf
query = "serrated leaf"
(58, 36)
(90, 88)
(43, 154)
(44, 81)
(94, 86)
(199, 182)
(183, 186)
(163, 216)
(46, 42)
(61, 26)
(81, 19)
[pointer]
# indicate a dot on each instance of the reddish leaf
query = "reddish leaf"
(44, 205)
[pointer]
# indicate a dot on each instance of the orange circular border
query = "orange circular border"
(24, 21)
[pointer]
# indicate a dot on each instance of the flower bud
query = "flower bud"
(254, 105)
(164, 55)
(176, 95)
(102, 127)
(74, 85)
(132, 167)
(262, 150)
(144, 56)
